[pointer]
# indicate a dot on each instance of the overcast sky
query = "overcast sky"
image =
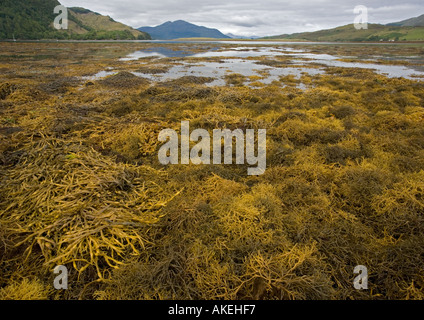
(252, 17)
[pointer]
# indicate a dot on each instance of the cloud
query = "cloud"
(245, 20)
(249, 17)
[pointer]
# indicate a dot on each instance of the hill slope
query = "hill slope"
(181, 29)
(27, 19)
(33, 19)
(413, 22)
(375, 32)
(86, 24)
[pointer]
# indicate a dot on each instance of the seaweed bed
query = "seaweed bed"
(81, 185)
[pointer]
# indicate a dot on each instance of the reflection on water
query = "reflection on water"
(238, 52)
(241, 59)
(99, 75)
(160, 52)
(218, 70)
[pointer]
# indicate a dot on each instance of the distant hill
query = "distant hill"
(181, 29)
(375, 32)
(413, 22)
(234, 36)
(33, 19)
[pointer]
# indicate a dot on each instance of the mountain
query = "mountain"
(413, 22)
(33, 19)
(375, 32)
(233, 36)
(181, 29)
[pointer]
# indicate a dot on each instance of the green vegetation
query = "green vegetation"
(375, 32)
(33, 19)
(27, 19)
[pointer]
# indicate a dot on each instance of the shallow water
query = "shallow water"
(237, 52)
(241, 59)
(99, 75)
(218, 70)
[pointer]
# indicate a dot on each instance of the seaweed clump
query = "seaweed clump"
(81, 184)
(77, 207)
(123, 80)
